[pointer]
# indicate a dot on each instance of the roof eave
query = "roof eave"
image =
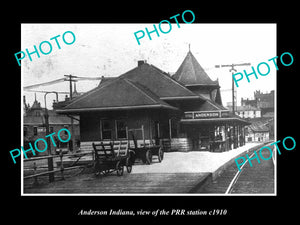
(183, 97)
(78, 110)
(208, 85)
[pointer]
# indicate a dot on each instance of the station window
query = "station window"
(35, 131)
(121, 129)
(106, 129)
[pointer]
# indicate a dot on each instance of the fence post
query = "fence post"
(61, 164)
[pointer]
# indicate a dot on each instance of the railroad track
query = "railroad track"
(236, 177)
(258, 179)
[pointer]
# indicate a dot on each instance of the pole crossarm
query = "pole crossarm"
(233, 70)
(233, 65)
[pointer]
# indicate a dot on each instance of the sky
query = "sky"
(111, 50)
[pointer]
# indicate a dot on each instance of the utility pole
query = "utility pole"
(233, 70)
(70, 79)
(50, 159)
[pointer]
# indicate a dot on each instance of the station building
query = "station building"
(183, 111)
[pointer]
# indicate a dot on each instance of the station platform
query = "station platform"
(178, 173)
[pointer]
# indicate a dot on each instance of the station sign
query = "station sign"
(205, 114)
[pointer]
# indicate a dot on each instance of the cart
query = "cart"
(110, 157)
(146, 150)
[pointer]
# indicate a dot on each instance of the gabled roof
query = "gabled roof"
(120, 93)
(159, 82)
(190, 72)
(106, 79)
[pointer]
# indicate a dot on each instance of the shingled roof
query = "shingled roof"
(159, 82)
(190, 72)
(120, 93)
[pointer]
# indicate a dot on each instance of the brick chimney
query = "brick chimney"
(141, 62)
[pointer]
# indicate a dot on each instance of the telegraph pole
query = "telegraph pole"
(233, 70)
(50, 159)
(234, 98)
(70, 79)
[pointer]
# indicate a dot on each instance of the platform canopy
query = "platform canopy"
(213, 117)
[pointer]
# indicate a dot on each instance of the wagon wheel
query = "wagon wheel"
(96, 169)
(160, 154)
(105, 172)
(128, 165)
(119, 168)
(132, 157)
(148, 157)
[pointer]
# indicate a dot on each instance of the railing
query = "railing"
(61, 168)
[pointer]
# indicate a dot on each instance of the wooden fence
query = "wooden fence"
(59, 169)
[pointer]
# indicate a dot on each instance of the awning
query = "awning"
(216, 121)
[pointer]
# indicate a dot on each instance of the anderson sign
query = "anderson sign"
(205, 114)
(200, 115)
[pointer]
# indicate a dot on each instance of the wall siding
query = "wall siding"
(90, 123)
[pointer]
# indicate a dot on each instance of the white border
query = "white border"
(157, 194)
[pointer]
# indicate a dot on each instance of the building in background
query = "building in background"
(258, 131)
(34, 126)
(260, 112)
(248, 111)
(263, 101)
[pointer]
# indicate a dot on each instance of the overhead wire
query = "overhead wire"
(30, 87)
(44, 84)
